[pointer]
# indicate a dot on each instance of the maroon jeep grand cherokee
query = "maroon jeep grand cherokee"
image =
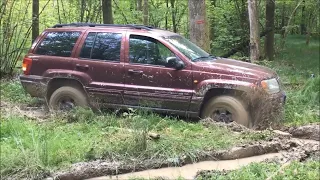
(121, 66)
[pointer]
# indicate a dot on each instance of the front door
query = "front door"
(149, 83)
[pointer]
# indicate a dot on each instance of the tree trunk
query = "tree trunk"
(166, 20)
(254, 30)
(145, 12)
(82, 8)
(269, 42)
(139, 5)
(310, 22)
(303, 19)
(58, 8)
(132, 5)
(107, 12)
(243, 45)
(198, 25)
(283, 19)
(211, 27)
(173, 13)
(35, 19)
(283, 40)
(308, 38)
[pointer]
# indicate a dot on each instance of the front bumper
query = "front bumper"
(280, 97)
(34, 85)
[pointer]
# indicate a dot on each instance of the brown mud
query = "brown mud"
(311, 131)
(189, 171)
(279, 148)
(37, 112)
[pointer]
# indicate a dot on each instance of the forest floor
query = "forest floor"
(82, 144)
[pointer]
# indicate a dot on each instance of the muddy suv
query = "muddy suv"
(121, 66)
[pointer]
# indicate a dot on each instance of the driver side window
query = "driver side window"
(145, 50)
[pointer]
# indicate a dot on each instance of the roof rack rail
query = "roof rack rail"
(134, 26)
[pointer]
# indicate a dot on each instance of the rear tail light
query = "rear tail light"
(26, 65)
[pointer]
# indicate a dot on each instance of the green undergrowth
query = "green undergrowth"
(298, 67)
(31, 147)
(260, 171)
(12, 91)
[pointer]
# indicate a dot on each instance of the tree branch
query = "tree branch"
(244, 44)
(123, 15)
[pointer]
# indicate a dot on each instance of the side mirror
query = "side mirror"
(173, 62)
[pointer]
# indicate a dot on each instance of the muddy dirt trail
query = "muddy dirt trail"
(281, 150)
(189, 171)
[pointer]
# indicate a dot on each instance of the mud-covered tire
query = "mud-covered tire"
(76, 94)
(237, 108)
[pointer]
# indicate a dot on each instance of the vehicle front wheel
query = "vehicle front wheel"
(66, 98)
(226, 109)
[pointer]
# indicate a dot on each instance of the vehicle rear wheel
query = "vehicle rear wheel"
(226, 109)
(66, 98)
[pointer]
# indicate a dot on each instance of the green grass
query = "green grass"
(81, 136)
(13, 91)
(295, 64)
(261, 171)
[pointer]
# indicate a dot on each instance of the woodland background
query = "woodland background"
(221, 27)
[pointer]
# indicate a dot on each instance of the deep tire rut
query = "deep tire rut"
(283, 150)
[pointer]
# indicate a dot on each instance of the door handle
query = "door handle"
(82, 67)
(135, 71)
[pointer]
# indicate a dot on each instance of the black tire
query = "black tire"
(235, 107)
(76, 95)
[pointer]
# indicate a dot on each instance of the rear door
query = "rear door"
(101, 57)
(148, 82)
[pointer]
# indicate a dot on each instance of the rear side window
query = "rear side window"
(58, 44)
(102, 46)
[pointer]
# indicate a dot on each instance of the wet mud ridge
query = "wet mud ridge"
(38, 112)
(281, 149)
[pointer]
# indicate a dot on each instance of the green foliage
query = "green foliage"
(30, 148)
(257, 136)
(13, 91)
(230, 28)
(296, 65)
(262, 171)
(23, 149)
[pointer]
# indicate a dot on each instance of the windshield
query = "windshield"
(189, 49)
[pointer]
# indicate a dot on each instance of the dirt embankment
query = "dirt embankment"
(306, 132)
(283, 149)
(311, 131)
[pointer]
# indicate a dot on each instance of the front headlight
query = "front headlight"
(270, 85)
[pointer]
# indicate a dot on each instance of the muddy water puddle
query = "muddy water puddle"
(189, 171)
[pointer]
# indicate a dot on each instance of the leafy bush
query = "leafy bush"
(262, 171)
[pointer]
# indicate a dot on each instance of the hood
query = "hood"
(236, 68)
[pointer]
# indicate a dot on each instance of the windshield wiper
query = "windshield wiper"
(203, 57)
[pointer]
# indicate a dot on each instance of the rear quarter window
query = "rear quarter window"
(58, 44)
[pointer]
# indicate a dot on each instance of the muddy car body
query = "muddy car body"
(121, 66)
